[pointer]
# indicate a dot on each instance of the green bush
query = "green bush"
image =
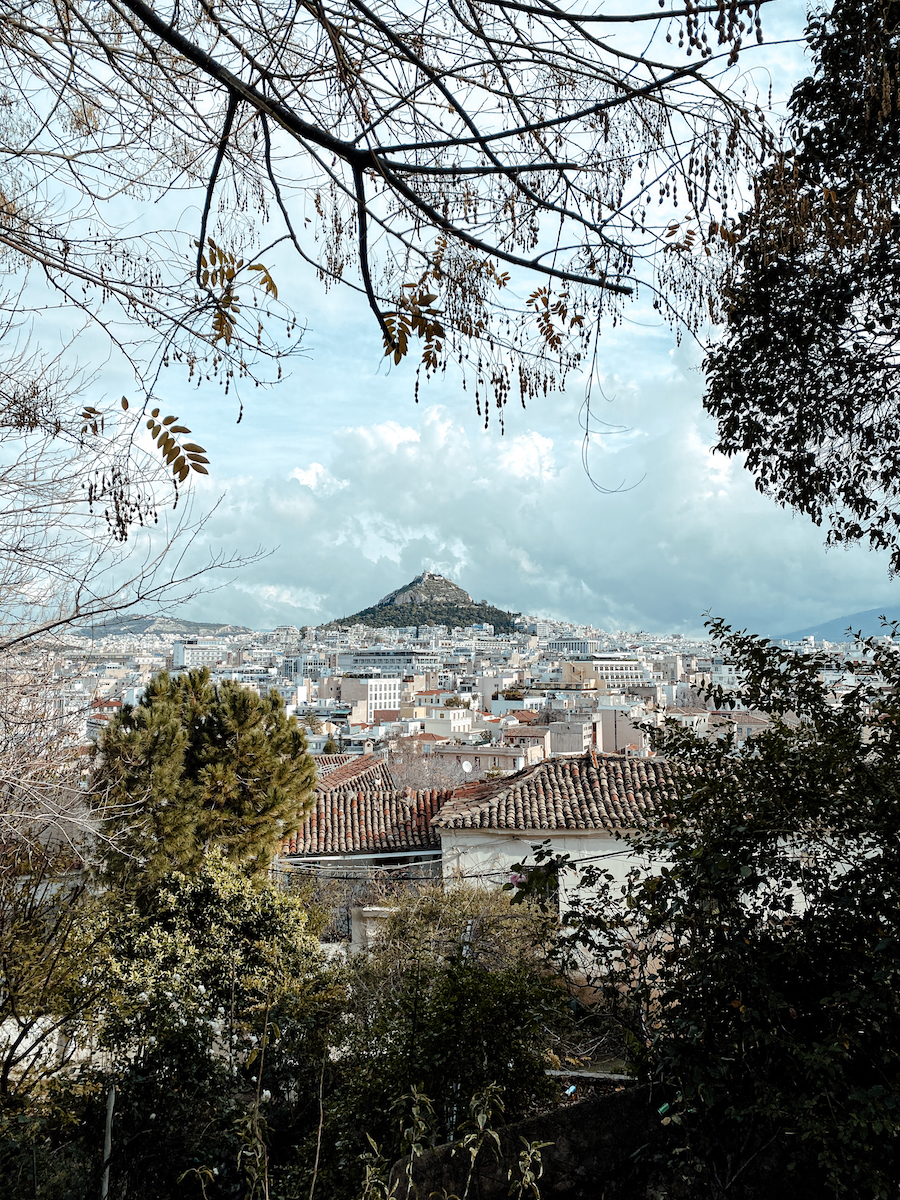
(455, 998)
(756, 967)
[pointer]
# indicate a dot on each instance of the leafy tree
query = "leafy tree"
(204, 975)
(311, 722)
(330, 747)
(194, 766)
(438, 151)
(454, 999)
(204, 982)
(755, 968)
(51, 929)
(806, 381)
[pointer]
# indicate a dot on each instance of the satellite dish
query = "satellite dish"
(467, 767)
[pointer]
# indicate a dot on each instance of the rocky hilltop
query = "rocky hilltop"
(429, 599)
(428, 588)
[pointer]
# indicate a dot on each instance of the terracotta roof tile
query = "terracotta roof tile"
(573, 793)
(326, 763)
(366, 821)
(359, 771)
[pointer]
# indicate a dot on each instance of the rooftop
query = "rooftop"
(358, 771)
(369, 821)
(583, 792)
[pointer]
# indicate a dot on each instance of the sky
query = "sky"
(351, 488)
(354, 489)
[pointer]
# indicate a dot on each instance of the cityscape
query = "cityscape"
(477, 701)
(449, 613)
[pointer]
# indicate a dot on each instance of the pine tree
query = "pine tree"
(195, 766)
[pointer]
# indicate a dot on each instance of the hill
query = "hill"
(429, 599)
(161, 626)
(867, 623)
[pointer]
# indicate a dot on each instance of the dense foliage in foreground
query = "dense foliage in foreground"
(244, 1064)
(752, 971)
(755, 967)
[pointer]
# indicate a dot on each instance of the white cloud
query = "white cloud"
(277, 597)
(529, 456)
(386, 489)
(516, 521)
(386, 437)
(318, 479)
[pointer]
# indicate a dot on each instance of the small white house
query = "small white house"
(578, 804)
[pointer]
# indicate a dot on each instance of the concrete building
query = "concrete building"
(525, 736)
(573, 647)
(388, 662)
(619, 730)
(571, 737)
(197, 652)
(489, 757)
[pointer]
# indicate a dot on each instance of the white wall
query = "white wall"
(487, 856)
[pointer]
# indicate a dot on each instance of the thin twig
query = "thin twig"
(312, 1186)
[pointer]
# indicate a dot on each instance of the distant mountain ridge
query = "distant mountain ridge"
(867, 623)
(162, 626)
(429, 599)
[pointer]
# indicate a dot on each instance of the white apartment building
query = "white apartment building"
(376, 695)
(725, 674)
(611, 671)
(573, 647)
(197, 652)
(383, 695)
(388, 662)
(448, 722)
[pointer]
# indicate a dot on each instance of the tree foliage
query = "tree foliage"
(245, 1065)
(429, 157)
(312, 722)
(453, 1000)
(51, 928)
(805, 381)
(194, 766)
(197, 990)
(431, 612)
(755, 966)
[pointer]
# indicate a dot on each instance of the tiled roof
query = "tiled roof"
(367, 821)
(359, 771)
(570, 793)
(740, 718)
(326, 763)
